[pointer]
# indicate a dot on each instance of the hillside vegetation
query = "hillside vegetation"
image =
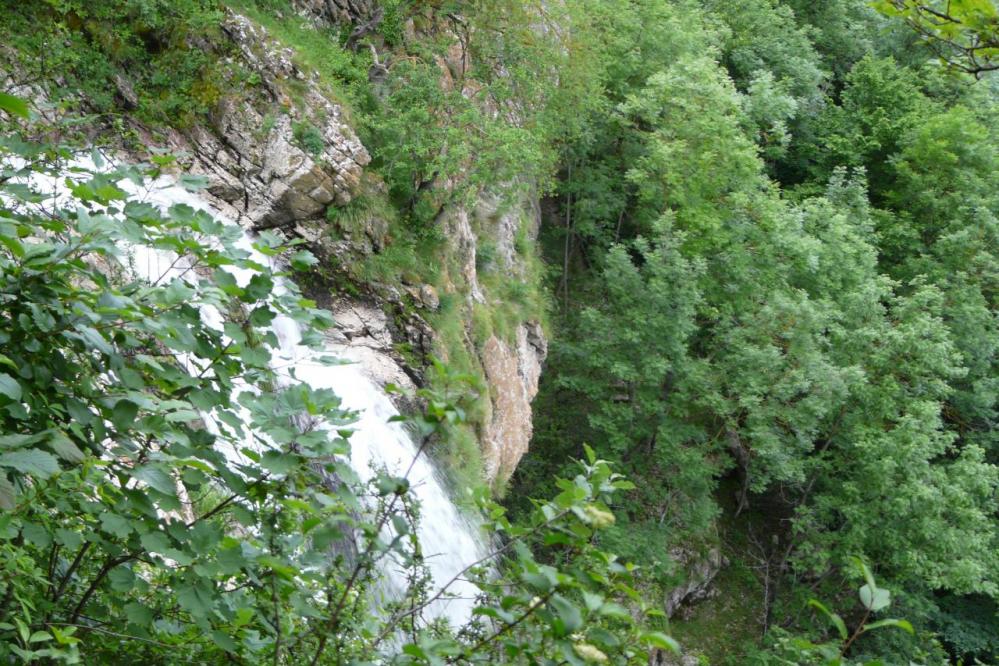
(767, 265)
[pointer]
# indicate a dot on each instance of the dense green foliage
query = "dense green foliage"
(777, 245)
(964, 34)
(131, 531)
(146, 57)
(771, 230)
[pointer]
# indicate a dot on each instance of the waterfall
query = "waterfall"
(449, 540)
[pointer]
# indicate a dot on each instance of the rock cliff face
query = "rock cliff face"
(339, 12)
(280, 154)
(700, 569)
(262, 173)
(512, 366)
(513, 372)
(254, 163)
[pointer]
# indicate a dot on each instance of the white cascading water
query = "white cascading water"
(450, 542)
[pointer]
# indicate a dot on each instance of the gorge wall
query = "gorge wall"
(283, 155)
(273, 182)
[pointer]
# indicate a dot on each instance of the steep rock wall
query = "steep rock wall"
(511, 364)
(263, 175)
(250, 155)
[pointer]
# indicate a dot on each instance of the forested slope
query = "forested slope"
(776, 252)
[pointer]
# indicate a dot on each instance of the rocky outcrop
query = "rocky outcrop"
(339, 12)
(512, 366)
(505, 223)
(363, 336)
(513, 372)
(274, 162)
(700, 570)
(465, 247)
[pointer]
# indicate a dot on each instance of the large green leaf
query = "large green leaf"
(13, 105)
(123, 414)
(662, 641)
(122, 579)
(874, 599)
(836, 620)
(64, 447)
(8, 494)
(156, 478)
(904, 625)
(139, 614)
(197, 599)
(115, 524)
(30, 461)
(17, 440)
(9, 386)
(569, 617)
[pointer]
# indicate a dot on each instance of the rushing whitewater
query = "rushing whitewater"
(449, 541)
